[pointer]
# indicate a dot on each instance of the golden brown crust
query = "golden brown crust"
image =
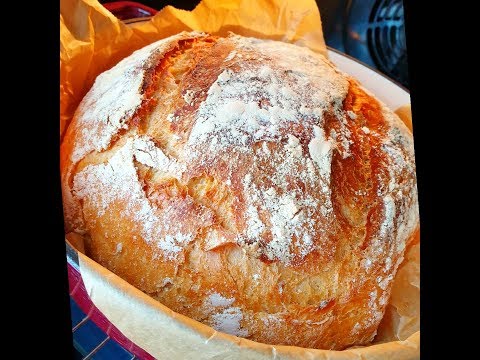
(251, 186)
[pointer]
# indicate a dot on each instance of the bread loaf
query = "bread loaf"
(245, 183)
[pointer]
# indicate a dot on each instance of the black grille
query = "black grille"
(386, 38)
(374, 32)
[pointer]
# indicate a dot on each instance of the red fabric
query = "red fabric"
(79, 294)
(125, 10)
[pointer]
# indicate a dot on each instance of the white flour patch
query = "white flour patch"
(166, 281)
(320, 149)
(387, 224)
(217, 300)
(189, 97)
(231, 55)
(228, 321)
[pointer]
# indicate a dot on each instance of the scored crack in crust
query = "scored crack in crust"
(245, 183)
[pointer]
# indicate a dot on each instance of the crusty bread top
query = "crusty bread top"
(226, 143)
(265, 122)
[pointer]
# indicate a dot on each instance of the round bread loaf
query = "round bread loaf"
(245, 183)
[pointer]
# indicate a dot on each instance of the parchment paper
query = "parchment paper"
(91, 41)
(166, 334)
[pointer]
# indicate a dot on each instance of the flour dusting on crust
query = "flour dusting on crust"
(103, 185)
(257, 99)
(258, 104)
(254, 103)
(115, 96)
(228, 321)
